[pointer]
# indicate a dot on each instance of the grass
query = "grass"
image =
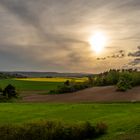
(123, 119)
(36, 83)
(29, 85)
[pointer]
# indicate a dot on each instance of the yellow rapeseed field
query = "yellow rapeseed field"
(56, 79)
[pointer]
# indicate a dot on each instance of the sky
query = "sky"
(53, 35)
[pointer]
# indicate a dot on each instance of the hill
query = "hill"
(45, 74)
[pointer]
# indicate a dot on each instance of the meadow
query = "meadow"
(31, 84)
(123, 119)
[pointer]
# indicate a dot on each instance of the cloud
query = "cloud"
(135, 54)
(135, 62)
(51, 35)
(118, 54)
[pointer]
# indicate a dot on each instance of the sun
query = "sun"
(98, 41)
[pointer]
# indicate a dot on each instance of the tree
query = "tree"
(125, 82)
(10, 91)
(90, 80)
(67, 83)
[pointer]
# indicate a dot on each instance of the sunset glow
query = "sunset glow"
(98, 42)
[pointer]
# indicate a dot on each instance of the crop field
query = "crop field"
(55, 79)
(31, 84)
(123, 119)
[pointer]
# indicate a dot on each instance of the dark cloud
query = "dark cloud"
(118, 54)
(135, 62)
(20, 9)
(136, 53)
(136, 56)
(30, 12)
(103, 58)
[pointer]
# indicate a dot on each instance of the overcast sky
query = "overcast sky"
(52, 35)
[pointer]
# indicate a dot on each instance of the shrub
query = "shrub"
(90, 80)
(136, 78)
(1, 90)
(50, 131)
(69, 87)
(125, 82)
(101, 128)
(107, 78)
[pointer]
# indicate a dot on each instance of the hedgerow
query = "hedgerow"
(52, 131)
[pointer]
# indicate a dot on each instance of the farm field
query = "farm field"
(55, 79)
(123, 119)
(93, 94)
(30, 84)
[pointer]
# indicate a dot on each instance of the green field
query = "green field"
(121, 118)
(29, 85)
(36, 83)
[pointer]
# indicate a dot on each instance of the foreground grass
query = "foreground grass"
(122, 118)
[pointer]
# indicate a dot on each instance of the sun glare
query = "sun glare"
(98, 42)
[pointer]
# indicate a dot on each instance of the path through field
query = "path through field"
(95, 94)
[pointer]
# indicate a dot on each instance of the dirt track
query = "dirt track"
(95, 94)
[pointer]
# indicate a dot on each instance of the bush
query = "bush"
(101, 128)
(125, 82)
(136, 78)
(50, 131)
(69, 87)
(1, 90)
(10, 92)
(107, 78)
